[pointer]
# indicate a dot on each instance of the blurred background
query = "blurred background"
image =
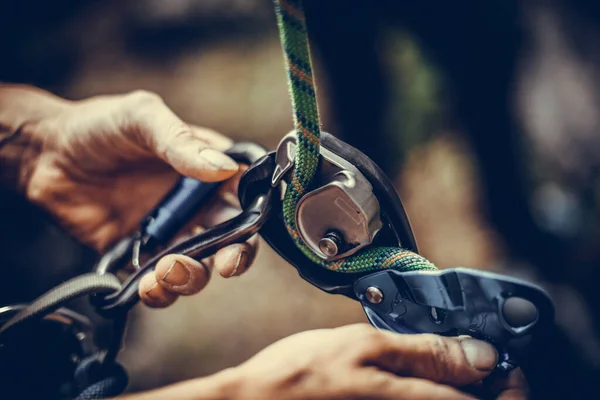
(485, 113)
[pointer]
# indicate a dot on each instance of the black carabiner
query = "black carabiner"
(176, 208)
(170, 215)
(236, 230)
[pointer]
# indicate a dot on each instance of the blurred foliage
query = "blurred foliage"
(416, 111)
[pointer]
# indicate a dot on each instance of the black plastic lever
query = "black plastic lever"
(501, 310)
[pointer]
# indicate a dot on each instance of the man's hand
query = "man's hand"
(353, 362)
(99, 166)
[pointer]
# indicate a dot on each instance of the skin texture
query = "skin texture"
(355, 362)
(99, 165)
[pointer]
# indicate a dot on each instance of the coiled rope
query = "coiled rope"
(294, 41)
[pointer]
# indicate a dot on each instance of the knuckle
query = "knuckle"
(438, 357)
(372, 335)
(143, 97)
(437, 346)
(173, 134)
(36, 193)
(139, 105)
(369, 341)
(364, 331)
(178, 130)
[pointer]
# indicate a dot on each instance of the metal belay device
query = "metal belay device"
(331, 213)
(501, 310)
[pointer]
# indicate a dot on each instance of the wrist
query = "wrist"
(224, 385)
(20, 108)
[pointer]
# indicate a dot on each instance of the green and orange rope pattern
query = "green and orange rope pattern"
(296, 49)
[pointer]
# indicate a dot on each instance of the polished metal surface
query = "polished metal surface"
(342, 202)
(374, 295)
(330, 244)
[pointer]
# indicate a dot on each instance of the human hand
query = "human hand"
(100, 165)
(360, 362)
(355, 362)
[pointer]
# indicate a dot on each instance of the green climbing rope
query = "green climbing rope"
(296, 49)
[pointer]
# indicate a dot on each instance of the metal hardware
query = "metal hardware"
(170, 214)
(267, 173)
(330, 245)
(162, 223)
(205, 244)
(343, 201)
(373, 295)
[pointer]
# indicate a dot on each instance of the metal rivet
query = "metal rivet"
(330, 244)
(374, 295)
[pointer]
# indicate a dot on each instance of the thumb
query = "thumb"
(191, 156)
(192, 151)
(452, 361)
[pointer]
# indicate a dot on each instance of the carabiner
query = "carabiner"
(163, 222)
(236, 230)
(170, 215)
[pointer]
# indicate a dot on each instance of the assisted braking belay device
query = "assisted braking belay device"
(330, 212)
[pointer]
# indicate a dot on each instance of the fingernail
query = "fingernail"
(151, 293)
(480, 355)
(218, 160)
(177, 274)
(241, 259)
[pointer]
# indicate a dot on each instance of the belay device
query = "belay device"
(330, 212)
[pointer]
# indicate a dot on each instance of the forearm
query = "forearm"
(225, 385)
(20, 107)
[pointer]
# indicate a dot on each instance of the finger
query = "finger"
(513, 387)
(181, 275)
(453, 361)
(383, 386)
(154, 295)
(216, 140)
(190, 151)
(225, 205)
(228, 191)
(235, 259)
(191, 157)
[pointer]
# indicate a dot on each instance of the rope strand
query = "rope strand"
(294, 41)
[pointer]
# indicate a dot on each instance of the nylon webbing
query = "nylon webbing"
(296, 49)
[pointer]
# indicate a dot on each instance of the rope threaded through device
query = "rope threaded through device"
(296, 50)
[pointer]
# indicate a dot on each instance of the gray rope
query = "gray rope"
(56, 298)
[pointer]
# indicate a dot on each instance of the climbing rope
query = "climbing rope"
(296, 50)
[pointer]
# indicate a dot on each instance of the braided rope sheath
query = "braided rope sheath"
(296, 49)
